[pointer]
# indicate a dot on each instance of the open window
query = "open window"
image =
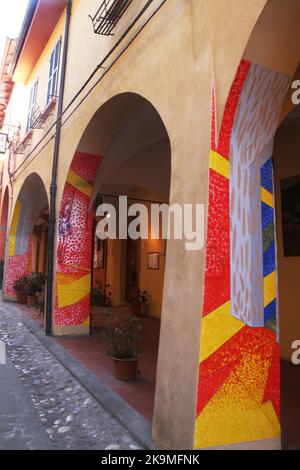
(53, 72)
(32, 104)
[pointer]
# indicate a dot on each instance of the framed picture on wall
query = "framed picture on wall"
(153, 260)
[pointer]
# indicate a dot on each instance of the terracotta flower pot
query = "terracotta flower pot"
(125, 369)
(31, 300)
(21, 298)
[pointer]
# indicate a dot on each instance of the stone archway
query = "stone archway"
(125, 129)
(32, 201)
(3, 229)
(286, 185)
(239, 382)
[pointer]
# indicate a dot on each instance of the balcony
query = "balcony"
(17, 145)
(38, 117)
(108, 15)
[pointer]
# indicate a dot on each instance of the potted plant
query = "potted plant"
(143, 300)
(133, 304)
(122, 336)
(20, 286)
(36, 282)
(137, 304)
(99, 297)
(108, 300)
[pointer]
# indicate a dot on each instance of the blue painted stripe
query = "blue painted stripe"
(269, 260)
(270, 310)
(268, 233)
(267, 215)
(266, 173)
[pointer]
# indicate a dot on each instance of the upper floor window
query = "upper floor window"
(32, 105)
(53, 72)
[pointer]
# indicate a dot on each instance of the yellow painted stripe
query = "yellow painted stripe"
(267, 197)
(234, 416)
(219, 164)
(217, 328)
(14, 229)
(69, 294)
(235, 413)
(269, 288)
(79, 183)
(86, 322)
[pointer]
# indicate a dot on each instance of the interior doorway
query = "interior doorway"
(287, 192)
(132, 269)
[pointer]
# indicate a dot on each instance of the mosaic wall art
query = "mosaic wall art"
(238, 391)
(31, 202)
(74, 245)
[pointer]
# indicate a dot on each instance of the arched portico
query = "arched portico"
(126, 132)
(3, 227)
(239, 382)
(31, 203)
(124, 151)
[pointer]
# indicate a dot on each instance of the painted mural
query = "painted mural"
(269, 249)
(74, 246)
(238, 391)
(31, 202)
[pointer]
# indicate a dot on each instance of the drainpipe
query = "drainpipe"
(8, 226)
(53, 185)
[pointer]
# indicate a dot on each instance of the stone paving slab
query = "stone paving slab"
(55, 404)
(20, 426)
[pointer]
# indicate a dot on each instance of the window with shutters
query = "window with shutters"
(32, 104)
(53, 72)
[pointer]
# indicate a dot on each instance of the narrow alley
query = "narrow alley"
(43, 406)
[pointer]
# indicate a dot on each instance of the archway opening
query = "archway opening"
(124, 151)
(287, 199)
(239, 379)
(3, 231)
(27, 244)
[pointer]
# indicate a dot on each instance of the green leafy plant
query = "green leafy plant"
(122, 336)
(97, 297)
(100, 296)
(36, 282)
(20, 285)
(138, 296)
(143, 297)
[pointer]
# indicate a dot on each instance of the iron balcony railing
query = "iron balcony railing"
(108, 15)
(38, 117)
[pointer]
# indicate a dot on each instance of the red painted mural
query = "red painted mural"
(217, 274)
(74, 247)
(238, 391)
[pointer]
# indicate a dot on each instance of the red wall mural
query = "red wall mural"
(74, 245)
(31, 202)
(238, 391)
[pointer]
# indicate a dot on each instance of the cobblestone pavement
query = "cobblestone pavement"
(62, 408)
